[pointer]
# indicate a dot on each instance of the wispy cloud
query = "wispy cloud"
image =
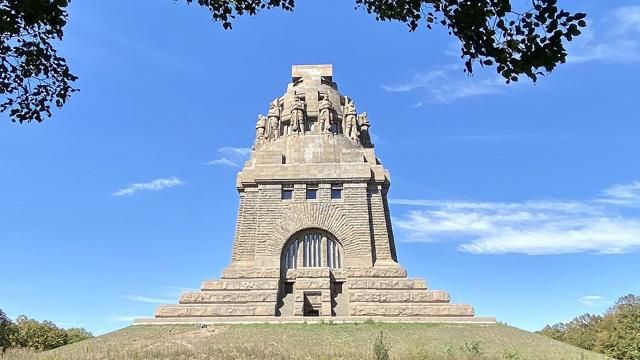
(622, 194)
(155, 185)
(618, 43)
(593, 300)
(418, 81)
(628, 18)
(146, 299)
(231, 156)
(528, 227)
(449, 84)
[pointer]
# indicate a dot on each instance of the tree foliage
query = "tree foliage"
(519, 42)
(32, 74)
(615, 334)
(29, 333)
(5, 331)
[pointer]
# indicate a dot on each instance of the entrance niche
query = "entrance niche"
(311, 279)
(313, 248)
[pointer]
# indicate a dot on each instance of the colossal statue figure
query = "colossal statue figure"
(297, 115)
(350, 125)
(273, 131)
(325, 117)
(364, 125)
(261, 126)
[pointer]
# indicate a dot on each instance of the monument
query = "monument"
(313, 236)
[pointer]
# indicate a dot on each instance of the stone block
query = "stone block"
(390, 283)
(395, 296)
(240, 284)
(215, 310)
(210, 297)
(409, 310)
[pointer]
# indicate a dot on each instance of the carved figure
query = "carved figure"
(363, 123)
(350, 125)
(297, 115)
(325, 116)
(273, 121)
(261, 127)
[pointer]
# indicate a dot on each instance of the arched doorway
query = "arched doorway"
(311, 275)
(312, 248)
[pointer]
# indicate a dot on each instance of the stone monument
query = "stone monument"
(313, 237)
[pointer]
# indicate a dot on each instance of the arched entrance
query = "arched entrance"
(311, 281)
(312, 248)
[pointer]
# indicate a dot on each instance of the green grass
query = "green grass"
(314, 341)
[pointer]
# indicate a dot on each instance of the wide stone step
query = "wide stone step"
(394, 296)
(221, 296)
(240, 284)
(408, 310)
(242, 273)
(190, 310)
(388, 283)
(384, 272)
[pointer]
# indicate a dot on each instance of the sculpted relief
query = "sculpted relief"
(292, 118)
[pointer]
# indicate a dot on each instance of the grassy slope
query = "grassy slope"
(314, 341)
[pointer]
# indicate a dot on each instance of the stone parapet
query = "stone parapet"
(410, 310)
(387, 283)
(240, 284)
(299, 320)
(395, 296)
(241, 273)
(232, 310)
(375, 272)
(239, 296)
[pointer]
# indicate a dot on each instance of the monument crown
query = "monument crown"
(312, 105)
(313, 235)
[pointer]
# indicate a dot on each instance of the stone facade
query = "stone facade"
(313, 237)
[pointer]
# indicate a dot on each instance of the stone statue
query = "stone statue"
(325, 116)
(273, 121)
(349, 122)
(261, 127)
(297, 115)
(363, 123)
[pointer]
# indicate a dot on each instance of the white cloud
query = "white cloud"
(618, 43)
(231, 156)
(145, 299)
(593, 300)
(418, 81)
(155, 185)
(449, 84)
(627, 18)
(528, 227)
(622, 194)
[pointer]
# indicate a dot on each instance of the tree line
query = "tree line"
(40, 336)
(616, 333)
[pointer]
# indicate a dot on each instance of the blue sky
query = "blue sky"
(523, 200)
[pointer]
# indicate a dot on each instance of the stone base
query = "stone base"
(314, 294)
(313, 320)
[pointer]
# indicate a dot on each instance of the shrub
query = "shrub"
(29, 333)
(380, 348)
(6, 327)
(473, 347)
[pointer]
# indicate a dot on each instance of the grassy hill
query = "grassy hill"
(314, 341)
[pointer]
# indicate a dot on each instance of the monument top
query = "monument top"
(302, 71)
